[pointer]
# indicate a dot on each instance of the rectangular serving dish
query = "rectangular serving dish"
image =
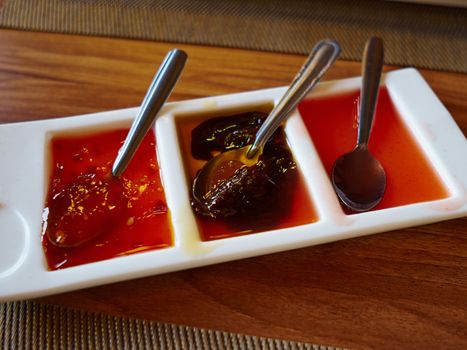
(24, 181)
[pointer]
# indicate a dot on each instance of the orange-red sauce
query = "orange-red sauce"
(144, 223)
(332, 124)
(292, 207)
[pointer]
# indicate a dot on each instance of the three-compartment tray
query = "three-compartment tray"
(24, 183)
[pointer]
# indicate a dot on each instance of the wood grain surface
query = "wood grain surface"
(402, 289)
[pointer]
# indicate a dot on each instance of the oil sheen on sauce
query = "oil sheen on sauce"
(332, 124)
(144, 222)
(289, 203)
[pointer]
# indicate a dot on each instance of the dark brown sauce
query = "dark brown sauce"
(250, 189)
(221, 134)
(266, 196)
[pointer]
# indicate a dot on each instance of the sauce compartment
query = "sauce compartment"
(286, 203)
(135, 220)
(332, 120)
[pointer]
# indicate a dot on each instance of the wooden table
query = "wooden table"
(401, 289)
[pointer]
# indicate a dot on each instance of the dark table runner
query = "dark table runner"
(30, 325)
(424, 36)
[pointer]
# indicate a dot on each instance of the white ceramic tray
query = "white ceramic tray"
(24, 186)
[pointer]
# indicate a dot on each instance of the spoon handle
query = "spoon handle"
(372, 67)
(162, 85)
(318, 62)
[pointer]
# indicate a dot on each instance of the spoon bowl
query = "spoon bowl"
(84, 210)
(220, 168)
(358, 177)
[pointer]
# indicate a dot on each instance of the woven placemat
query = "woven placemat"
(30, 325)
(423, 36)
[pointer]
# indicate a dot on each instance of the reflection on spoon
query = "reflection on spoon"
(358, 177)
(87, 207)
(220, 169)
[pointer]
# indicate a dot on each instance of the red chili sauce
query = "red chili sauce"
(142, 222)
(332, 124)
(287, 202)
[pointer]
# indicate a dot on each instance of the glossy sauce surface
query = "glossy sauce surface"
(287, 203)
(143, 221)
(332, 124)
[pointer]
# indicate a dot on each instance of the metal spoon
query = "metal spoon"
(225, 164)
(162, 85)
(358, 177)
